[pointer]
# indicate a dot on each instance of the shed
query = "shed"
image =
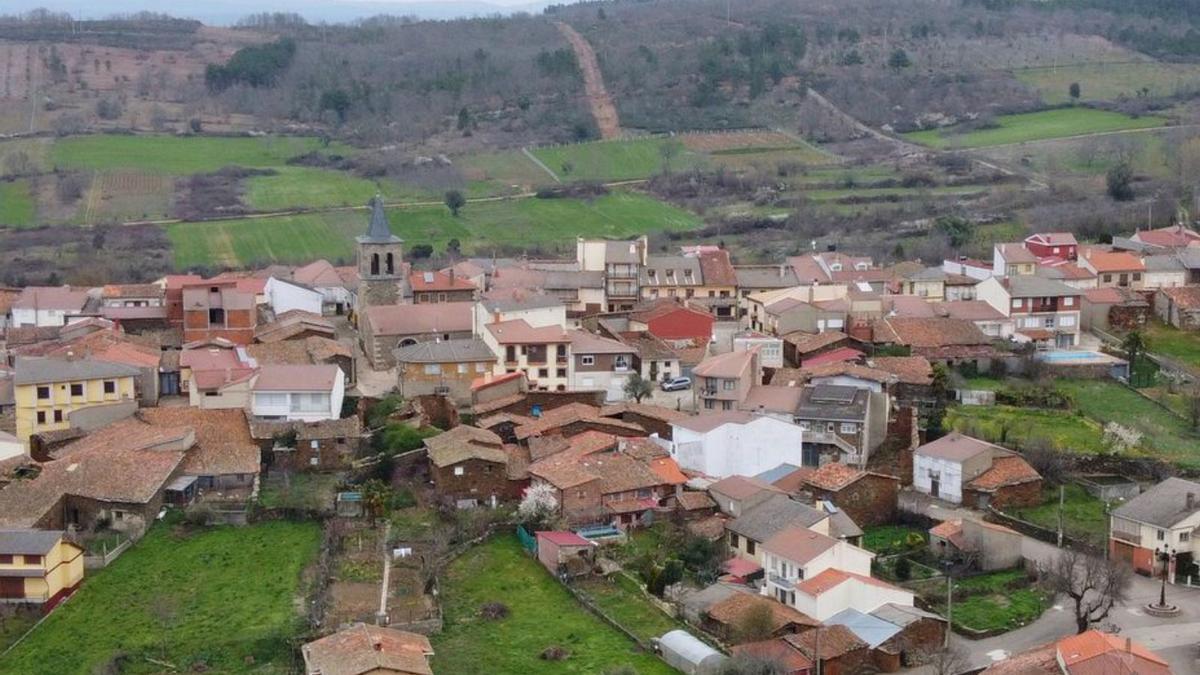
(687, 654)
(565, 553)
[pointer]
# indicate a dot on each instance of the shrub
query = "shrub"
(554, 653)
(903, 569)
(494, 611)
(199, 515)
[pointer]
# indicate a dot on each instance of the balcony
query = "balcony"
(826, 438)
(1128, 537)
(782, 582)
(615, 273)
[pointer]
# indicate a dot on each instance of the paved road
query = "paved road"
(1175, 639)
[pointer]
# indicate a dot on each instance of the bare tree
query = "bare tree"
(948, 660)
(1092, 583)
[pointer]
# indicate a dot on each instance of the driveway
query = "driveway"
(1175, 638)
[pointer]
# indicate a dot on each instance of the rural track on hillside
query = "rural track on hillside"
(264, 215)
(599, 100)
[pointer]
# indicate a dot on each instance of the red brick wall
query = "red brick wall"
(582, 504)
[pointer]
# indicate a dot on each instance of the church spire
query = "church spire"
(378, 231)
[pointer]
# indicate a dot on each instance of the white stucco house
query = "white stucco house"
(733, 442)
(10, 446)
(834, 591)
(798, 553)
(308, 393)
(49, 306)
(284, 296)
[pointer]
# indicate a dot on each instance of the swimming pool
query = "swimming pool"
(1065, 356)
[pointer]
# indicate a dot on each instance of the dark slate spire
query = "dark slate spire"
(379, 231)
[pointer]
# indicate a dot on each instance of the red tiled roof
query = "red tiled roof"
(438, 281)
(741, 487)
(1006, 470)
(1171, 237)
(436, 318)
(518, 331)
(1097, 653)
(778, 651)
(716, 268)
(727, 365)
(833, 356)
(1113, 261)
(561, 538)
(831, 578)
(369, 649)
(297, 378)
(1103, 296)
(731, 610)
(910, 369)
(811, 342)
(834, 476)
(799, 544)
(491, 380)
(1187, 297)
(936, 332)
(832, 641)
(668, 471)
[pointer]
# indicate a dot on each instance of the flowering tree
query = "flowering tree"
(539, 506)
(1120, 439)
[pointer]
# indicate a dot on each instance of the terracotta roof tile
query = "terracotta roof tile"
(369, 649)
(833, 641)
(1007, 470)
(223, 442)
(731, 610)
(834, 476)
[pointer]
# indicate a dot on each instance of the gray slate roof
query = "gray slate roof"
(774, 514)
(41, 370)
(902, 615)
(447, 351)
(1163, 263)
(766, 276)
(825, 402)
(378, 232)
(33, 542)
(511, 304)
(1163, 505)
(1024, 286)
(842, 526)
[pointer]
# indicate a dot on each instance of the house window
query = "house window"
(1162, 535)
(314, 444)
(708, 404)
(1066, 321)
(1137, 276)
(41, 417)
(458, 471)
(58, 417)
(462, 369)
(750, 546)
(643, 493)
(1107, 278)
(110, 386)
(729, 385)
(433, 368)
(6, 559)
(1068, 301)
(805, 426)
(587, 360)
(543, 372)
(481, 367)
(77, 389)
(733, 540)
(1017, 302)
(726, 405)
(849, 427)
(216, 316)
(1185, 536)
(43, 393)
(561, 372)
(510, 353)
(32, 559)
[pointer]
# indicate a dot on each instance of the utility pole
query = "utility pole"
(949, 606)
(817, 648)
(1061, 491)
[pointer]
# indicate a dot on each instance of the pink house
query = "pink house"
(564, 553)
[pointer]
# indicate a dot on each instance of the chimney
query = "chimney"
(1191, 501)
(1128, 645)
(378, 644)
(451, 276)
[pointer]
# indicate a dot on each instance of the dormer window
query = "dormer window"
(671, 276)
(836, 267)
(651, 273)
(687, 274)
(861, 266)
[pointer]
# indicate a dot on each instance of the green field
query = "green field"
(1015, 427)
(1164, 434)
(998, 601)
(541, 614)
(181, 155)
(511, 169)
(1083, 514)
(1180, 345)
(297, 186)
(614, 160)
(889, 539)
(1110, 81)
(546, 223)
(218, 600)
(16, 204)
(622, 598)
(1037, 126)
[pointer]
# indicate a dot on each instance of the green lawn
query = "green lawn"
(181, 155)
(506, 169)
(621, 598)
(224, 597)
(1110, 81)
(303, 490)
(1036, 126)
(1013, 426)
(887, 539)
(545, 223)
(1083, 514)
(1001, 600)
(16, 204)
(614, 160)
(1183, 346)
(541, 614)
(1165, 434)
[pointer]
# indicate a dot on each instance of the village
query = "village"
(628, 461)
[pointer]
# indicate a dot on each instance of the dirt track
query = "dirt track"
(593, 84)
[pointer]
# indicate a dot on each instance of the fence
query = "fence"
(976, 397)
(1038, 532)
(94, 561)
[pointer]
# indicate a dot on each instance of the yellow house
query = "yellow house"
(38, 567)
(48, 391)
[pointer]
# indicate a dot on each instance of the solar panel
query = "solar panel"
(833, 393)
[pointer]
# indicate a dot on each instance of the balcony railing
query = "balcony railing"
(827, 438)
(1128, 537)
(782, 582)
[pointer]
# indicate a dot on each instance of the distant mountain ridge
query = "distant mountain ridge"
(228, 12)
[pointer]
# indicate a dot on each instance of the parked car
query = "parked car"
(677, 384)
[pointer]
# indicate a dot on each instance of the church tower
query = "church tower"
(381, 267)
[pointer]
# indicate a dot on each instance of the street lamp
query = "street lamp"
(1166, 556)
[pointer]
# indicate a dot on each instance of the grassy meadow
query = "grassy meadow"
(1036, 126)
(223, 597)
(1110, 81)
(181, 155)
(17, 208)
(544, 223)
(541, 614)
